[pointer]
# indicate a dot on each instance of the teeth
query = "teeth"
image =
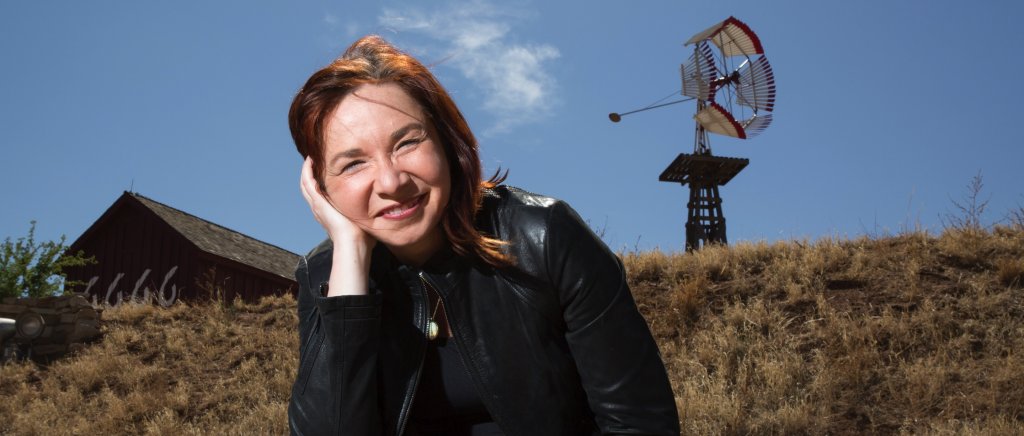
(398, 210)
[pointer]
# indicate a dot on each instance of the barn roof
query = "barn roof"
(221, 241)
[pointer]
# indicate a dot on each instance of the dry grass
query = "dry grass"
(183, 370)
(909, 334)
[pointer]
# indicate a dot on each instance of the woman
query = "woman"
(443, 304)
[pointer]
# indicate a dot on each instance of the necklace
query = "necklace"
(432, 328)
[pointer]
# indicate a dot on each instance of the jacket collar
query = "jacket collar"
(445, 269)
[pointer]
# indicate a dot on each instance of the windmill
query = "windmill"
(733, 84)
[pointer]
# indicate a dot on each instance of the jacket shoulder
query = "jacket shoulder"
(317, 258)
(322, 248)
(511, 196)
(510, 213)
(525, 221)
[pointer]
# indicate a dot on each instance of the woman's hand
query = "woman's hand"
(352, 246)
(339, 228)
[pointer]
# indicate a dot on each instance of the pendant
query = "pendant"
(432, 330)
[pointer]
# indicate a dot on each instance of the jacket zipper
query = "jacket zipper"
(403, 418)
(473, 375)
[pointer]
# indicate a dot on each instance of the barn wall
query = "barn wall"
(241, 280)
(134, 252)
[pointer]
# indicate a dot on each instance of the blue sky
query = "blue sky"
(885, 110)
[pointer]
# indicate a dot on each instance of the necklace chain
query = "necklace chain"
(436, 306)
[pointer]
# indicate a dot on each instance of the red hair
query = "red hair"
(372, 60)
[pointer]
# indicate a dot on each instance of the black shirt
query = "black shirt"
(446, 402)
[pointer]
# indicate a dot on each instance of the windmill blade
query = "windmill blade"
(698, 72)
(716, 119)
(756, 87)
(732, 36)
(756, 124)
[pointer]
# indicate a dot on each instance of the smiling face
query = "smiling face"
(385, 170)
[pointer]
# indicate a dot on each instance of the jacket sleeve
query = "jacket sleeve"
(335, 391)
(618, 361)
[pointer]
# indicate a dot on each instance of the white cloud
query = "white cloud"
(352, 30)
(475, 39)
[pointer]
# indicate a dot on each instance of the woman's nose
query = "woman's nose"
(391, 179)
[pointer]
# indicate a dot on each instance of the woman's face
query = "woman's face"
(386, 171)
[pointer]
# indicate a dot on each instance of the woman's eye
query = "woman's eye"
(351, 166)
(409, 142)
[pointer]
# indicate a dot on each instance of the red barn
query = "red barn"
(146, 247)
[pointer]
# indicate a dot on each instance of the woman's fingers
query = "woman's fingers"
(305, 179)
(316, 201)
(308, 185)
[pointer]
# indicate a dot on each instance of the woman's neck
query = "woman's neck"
(421, 251)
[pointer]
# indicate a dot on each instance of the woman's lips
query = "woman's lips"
(404, 210)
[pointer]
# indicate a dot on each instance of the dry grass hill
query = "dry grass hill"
(914, 333)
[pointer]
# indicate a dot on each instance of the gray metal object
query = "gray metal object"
(8, 328)
(30, 325)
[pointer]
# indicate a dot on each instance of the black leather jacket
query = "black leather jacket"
(554, 346)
